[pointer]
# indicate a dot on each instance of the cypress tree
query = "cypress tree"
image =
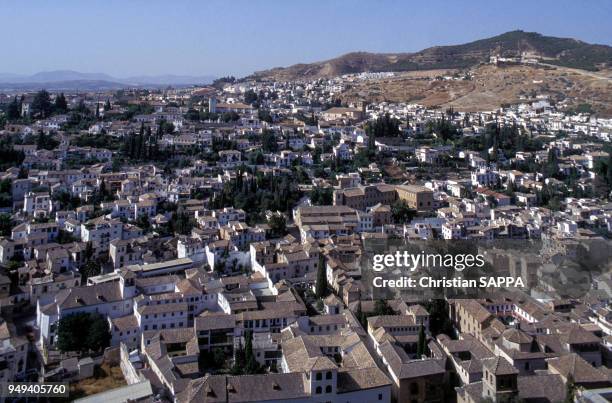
(321, 284)
(421, 342)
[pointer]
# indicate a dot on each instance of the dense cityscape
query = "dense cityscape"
(205, 243)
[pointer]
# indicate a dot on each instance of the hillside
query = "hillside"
(490, 87)
(559, 51)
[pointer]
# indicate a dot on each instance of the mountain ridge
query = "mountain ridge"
(567, 52)
(64, 77)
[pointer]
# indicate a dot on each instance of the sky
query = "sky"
(209, 37)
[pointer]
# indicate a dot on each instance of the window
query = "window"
(380, 396)
(318, 390)
(328, 389)
(328, 375)
(319, 376)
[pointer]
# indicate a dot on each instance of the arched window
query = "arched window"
(328, 375)
(318, 390)
(319, 376)
(328, 389)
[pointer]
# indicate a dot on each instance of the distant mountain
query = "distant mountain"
(68, 79)
(560, 51)
(65, 75)
(70, 85)
(169, 79)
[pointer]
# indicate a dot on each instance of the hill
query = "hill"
(489, 87)
(565, 52)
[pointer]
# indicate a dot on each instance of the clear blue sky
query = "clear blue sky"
(130, 37)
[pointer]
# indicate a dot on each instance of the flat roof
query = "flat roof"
(120, 395)
(160, 265)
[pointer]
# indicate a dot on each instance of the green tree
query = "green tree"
(41, 104)
(60, 105)
(421, 342)
(278, 225)
(361, 316)
(264, 115)
(251, 365)
(439, 321)
(13, 110)
(46, 142)
(143, 222)
(6, 224)
(321, 282)
(192, 115)
(228, 117)
(239, 364)
(552, 164)
(383, 126)
(268, 141)
(72, 332)
(98, 336)
(381, 307)
(91, 268)
(83, 332)
(443, 128)
(250, 97)
(321, 196)
(570, 390)
(401, 212)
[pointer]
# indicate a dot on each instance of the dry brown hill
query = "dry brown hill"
(559, 51)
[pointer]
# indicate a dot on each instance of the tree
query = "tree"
(570, 389)
(143, 222)
(361, 317)
(421, 343)
(439, 321)
(251, 365)
(250, 97)
(229, 117)
(321, 283)
(239, 359)
(107, 106)
(6, 224)
(321, 196)
(278, 225)
(192, 115)
(41, 104)
(552, 163)
(381, 307)
(46, 142)
(265, 116)
(61, 105)
(83, 332)
(443, 128)
(13, 110)
(91, 268)
(183, 223)
(383, 126)
(268, 141)
(218, 357)
(98, 336)
(89, 251)
(401, 212)
(72, 331)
